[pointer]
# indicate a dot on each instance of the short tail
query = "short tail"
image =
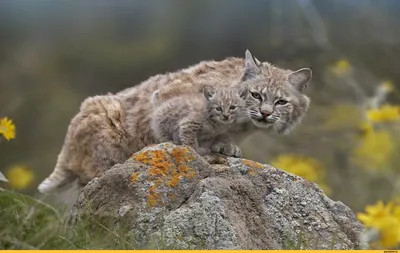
(61, 176)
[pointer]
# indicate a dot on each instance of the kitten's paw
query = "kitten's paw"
(237, 152)
(218, 148)
(203, 151)
(227, 149)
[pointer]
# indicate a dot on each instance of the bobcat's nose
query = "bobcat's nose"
(226, 116)
(266, 113)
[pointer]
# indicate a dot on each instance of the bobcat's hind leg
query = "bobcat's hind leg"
(95, 141)
(109, 107)
(110, 142)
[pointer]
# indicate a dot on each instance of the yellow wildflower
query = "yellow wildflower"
(7, 128)
(374, 213)
(341, 67)
(385, 113)
(365, 128)
(384, 218)
(20, 177)
(396, 211)
(304, 167)
(374, 149)
(387, 86)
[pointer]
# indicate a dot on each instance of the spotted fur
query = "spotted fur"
(109, 128)
(198, 120)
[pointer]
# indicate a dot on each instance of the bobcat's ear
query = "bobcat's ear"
(251, 67)
(243, 92)
(155, 97)
(208, 92)
(300, 78)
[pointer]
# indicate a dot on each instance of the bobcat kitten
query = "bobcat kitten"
(200, 121)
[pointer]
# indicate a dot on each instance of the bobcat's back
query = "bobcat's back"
(192, 80)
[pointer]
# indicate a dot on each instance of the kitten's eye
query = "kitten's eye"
(218, 109)
(281, 102)
(232, 107)
(256, 95)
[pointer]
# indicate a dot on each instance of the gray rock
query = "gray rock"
(169, 197)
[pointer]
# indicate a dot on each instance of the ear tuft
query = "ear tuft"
(251, 69)
(300, 78)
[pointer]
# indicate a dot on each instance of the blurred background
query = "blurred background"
(54, 54)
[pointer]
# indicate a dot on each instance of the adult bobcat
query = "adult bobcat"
(109, 128)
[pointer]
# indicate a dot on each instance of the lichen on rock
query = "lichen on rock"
(166, 169)
(169, 194)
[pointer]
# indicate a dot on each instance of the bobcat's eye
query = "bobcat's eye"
(281, 102)
(256, 95)
(232, 107)
(218, 109)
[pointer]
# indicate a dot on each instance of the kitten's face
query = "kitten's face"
(276, 98)
(227, 105)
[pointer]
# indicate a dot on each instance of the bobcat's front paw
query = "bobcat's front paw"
(227, 149)
(203, 151)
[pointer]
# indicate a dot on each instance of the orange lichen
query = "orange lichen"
(252, 172)
(183, 169)
(163, 166)
(165, 171)
(252, 164)
(190, 175)
(152, 188)
(141, 157)
(174, 181)
(153, 199)
(155, 171)
(151, 157)
(134, 177)
(182, 155)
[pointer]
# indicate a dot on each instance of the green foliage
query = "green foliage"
(28, 223)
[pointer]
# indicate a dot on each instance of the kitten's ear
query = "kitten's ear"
(155, 97)
(243, 92)
(300, 78)
(208, 92)
(251, 67)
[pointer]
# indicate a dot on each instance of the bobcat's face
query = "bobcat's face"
(279, 107)
(276, 97)
(227, 105)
